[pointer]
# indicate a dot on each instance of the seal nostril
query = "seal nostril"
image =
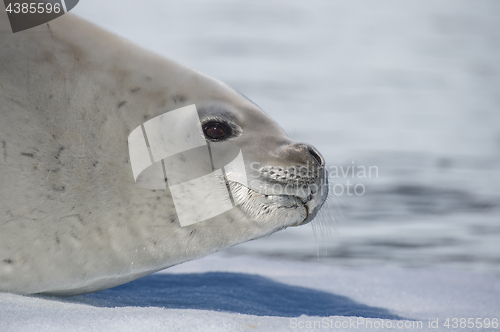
(316, 155)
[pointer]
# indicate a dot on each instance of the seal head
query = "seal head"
(72, 218)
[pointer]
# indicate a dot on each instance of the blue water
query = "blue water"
(411, 88)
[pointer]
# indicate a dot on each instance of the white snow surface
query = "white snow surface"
(255, 294)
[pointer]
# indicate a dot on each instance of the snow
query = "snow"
(255, 294)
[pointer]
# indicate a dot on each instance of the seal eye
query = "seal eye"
(216, 131)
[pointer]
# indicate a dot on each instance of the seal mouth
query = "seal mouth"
(305, 185)
(285, 209)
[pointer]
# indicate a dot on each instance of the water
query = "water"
(411, 88)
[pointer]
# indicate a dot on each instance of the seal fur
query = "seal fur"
(72, 220)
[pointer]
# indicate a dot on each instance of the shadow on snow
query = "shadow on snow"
(229, 292)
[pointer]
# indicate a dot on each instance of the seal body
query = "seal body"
(72, 220)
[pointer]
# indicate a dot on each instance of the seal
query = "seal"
(72, 218)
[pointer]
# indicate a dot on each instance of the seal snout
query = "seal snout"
(301, 173)
(316, 155)
(306, 154)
